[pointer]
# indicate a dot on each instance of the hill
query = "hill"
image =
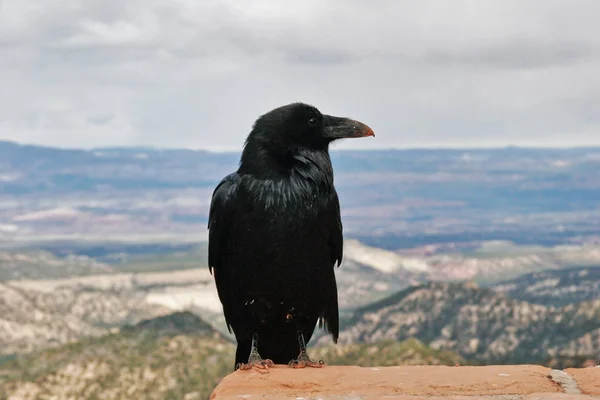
(479, 323)
(385, 353)
(172, 357)
(367, 273)
(45, 265)
(178, 279)
(179, 323)
(32, 319)
(554, 288)
(490, 262)
(169, 358)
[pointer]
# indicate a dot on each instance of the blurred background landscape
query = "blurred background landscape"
(471, 219)
(451, 256)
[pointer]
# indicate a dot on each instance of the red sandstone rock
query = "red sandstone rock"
(558, 396)
(588, 379)
(402, 382)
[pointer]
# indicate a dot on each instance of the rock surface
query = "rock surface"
(505, 382)
(588, 379)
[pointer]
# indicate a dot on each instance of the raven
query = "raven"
(275, 235)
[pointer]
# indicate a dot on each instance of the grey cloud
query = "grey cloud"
(320, 56)
(180, 73)
(100, 119)
(518, 55)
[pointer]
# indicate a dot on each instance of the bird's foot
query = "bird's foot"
(255, 361)
(304, 361)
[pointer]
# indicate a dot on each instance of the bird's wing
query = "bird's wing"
(336, 238)
(330, 317)
(224, 207)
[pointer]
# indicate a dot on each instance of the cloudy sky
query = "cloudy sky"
(190, 73)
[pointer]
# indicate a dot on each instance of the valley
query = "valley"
(450, 257)
(390, 199)
(95, 298)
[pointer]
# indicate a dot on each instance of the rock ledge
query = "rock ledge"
(506, 382)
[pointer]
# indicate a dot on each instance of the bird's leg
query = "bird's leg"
(303, 360)
(255, 360)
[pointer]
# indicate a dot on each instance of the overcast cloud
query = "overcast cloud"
(189, 73)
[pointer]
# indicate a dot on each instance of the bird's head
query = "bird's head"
(301, 126)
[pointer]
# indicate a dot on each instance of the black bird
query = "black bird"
(275, 235)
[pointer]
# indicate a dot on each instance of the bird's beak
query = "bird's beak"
(341, 128)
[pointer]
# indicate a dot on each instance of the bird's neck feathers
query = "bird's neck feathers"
(300, 174)
(267, 160)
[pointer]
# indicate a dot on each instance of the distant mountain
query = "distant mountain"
(478, 323)
(33, 318)
(390, 199)
(554, 288)
(491, 264)
(178, 323)
(175, 357)
(44, 265)
(36, 314)
(385, 353)
(368, 274)
(172, 357)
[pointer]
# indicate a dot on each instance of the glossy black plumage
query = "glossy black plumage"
(275, 232)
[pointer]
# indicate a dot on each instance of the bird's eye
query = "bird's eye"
(312, 122)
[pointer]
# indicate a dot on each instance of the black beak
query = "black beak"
(342, 128)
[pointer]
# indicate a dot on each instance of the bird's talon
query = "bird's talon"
(243, 366)
(258, 364)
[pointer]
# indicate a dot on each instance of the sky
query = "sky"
(197, 74)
